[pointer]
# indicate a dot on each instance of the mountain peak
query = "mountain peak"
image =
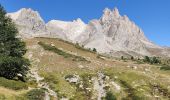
(25, 9)
(106, 11)
(29, 21)
(25, 13)
(116, 12)
(108, 14)
(112, 32)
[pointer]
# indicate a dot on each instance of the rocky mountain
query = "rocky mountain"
(66, 30)
(29, 23)
(111, 34)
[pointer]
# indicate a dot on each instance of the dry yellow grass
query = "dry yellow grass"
(49, 62)
(11, 94)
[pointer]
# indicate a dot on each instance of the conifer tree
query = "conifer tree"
(12, 49)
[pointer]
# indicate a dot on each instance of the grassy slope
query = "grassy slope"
(54, 68)
(59, 66)
(9, 94)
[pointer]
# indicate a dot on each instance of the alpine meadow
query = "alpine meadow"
(107, 58)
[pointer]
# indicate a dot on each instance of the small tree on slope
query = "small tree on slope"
(12, 49)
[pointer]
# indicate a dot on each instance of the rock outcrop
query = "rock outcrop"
(29, 23)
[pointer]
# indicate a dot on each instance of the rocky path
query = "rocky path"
(44, 85)
(99, 86)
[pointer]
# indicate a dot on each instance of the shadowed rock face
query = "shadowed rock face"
(109, 34)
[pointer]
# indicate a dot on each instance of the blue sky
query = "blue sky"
(153, 16)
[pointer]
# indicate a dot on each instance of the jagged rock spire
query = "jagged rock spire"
(116, 12)
(109, 15)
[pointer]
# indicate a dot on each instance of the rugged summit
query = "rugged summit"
(117, 33)
(29, 22)
(111, 34)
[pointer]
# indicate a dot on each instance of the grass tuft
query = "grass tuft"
(36, 94)
(12, 84)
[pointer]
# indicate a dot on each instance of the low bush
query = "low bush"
(132, 58)
(122, 58)
(12, 84)
(51, 78)
(94, 50)
(36, 94)
(165, 67)
(152, 60)
(110, 96)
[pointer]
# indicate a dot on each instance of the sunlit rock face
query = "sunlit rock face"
(109, 34)
(113, 32)
(29, 23)
(67, 30)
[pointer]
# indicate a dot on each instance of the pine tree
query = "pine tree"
(132, 58)
(94, 50)
(147, 59)
(12, 49)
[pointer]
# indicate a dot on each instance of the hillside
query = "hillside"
(96, 75)
(68, 71)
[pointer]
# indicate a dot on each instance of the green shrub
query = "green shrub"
(51, 78)
(155, 60)
(36, 94)
(12, 84)
(152, 60)
(132, 58)
(165, 67)
(94, 50)
(11, 66)
(146, 59)
(122, 58)
(110, 96)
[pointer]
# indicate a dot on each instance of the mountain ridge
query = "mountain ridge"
(109, 34)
